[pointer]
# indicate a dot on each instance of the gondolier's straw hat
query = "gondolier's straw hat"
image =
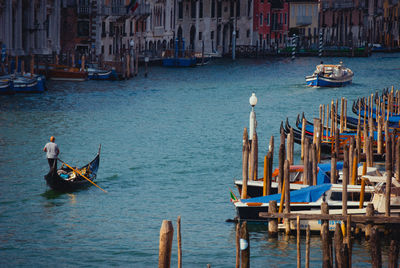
(52, 138)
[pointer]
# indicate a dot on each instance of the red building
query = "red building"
(271, 23)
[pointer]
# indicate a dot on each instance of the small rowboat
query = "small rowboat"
(67, 180)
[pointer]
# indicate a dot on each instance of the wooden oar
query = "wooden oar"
(77, 171)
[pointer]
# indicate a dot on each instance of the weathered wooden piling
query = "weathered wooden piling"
(306, 163)
(375, 246)
(314, 164)
(244, 246)
(339, 249)
(337, 143)
(237, 245)
(308, 246)
(289, 148)
(272, 223)
(254, 144)
(326, 240)
(394, 249)
(179, 240)
(267, 174)
(298, 242)
(388, 164)
(333, 168)
(281, 166)
(166, 237)
(245, 161)
(344, 185)
(287, 194)
(291, 158)
(368, 226)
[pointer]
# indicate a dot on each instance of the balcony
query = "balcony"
(113, 11)
(325, 4)
(158, 31)
(83, 9)
(142, 11)
(277, 27)
(303, 20)
(343, 4)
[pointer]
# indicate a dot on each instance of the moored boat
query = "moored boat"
(99, 74)
(309, 198)
(330, 75)
(65, 73)
(67, 180)
(6, 87)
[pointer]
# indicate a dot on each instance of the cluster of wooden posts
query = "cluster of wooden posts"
(336, 248)
(127, 65)
(361, 147)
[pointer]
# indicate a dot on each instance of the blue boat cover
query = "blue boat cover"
(308, 194)
(322, 177)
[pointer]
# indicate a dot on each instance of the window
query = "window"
(180, 10)
(212, 35)
(102, 49)
(201, 9)
(83, 28)
(261, 19)
(213, 9)
(267, 18)
(309, 32)
(285, 18)
(110, 49)
(111, 29)
(131, 28)
(248, 8)
(237, 34)
(232, 9)
(103, 29)
(238, 8)
(219, 9)
(193, 9)
(200, 36)
(248, 33)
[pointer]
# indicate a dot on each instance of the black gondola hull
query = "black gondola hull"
(55, 182)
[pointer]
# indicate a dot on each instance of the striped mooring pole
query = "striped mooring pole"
(320, 43)
(293, 47)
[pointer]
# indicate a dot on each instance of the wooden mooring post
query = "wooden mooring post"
(244, 246)
(179, 240)
(272, 223)
(166, 237)
(245, 161)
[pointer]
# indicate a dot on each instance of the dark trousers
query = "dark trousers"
(52, 162)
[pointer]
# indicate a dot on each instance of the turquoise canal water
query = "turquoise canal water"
(171, 145)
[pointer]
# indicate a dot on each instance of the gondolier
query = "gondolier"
(52, 151)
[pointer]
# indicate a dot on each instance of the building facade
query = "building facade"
(270, 24)
(303, 22)
(30, 27)
(213, 24)
(349, 23)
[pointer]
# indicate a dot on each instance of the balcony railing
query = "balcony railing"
(325, 4)
(303, 20)
(143, 10)
(343, 4)
(83, 10)
(158, 31)
(113, 11)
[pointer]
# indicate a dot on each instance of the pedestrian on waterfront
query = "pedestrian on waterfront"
(52, 151)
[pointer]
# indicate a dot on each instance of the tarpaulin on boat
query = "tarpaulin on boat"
(309, 194)
(322, 176)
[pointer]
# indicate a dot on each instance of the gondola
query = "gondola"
(57, 179)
